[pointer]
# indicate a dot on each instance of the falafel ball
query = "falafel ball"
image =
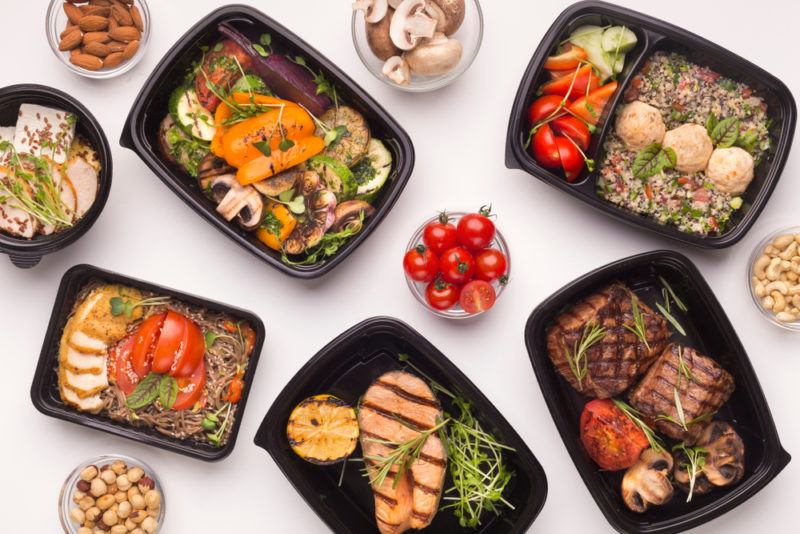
(692, 146)
(640, 125)
(730, 170)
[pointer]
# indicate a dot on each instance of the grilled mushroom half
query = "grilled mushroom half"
(647, 481)
(319, 214)
(210, 167)
(348, 215)
(724, 460)
(237, 201)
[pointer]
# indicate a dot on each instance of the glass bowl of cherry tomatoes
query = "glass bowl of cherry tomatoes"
(457, 264)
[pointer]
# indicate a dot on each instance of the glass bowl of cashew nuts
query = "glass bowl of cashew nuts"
(773, 275)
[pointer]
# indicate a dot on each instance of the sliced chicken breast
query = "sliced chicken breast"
(85, 384)
(85, 343)
(91, 404)
(80, 362)
(16, 221)
(83, 177)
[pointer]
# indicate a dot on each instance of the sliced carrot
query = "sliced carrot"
(265, 166)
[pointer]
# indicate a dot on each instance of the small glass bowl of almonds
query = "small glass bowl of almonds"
(114, 494)
(773, 275)
(98, 38)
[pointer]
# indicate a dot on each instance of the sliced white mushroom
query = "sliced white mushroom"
(83, 177)
(434, 56)
(252, 214)
(396, 69)
(647, 481)
(411, 23)
(374, 10)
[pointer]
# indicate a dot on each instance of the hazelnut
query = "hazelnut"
(133, 491)
(124, 510)
(119, 529)
(108, 476)
(77, 496)
(130, 525)
(137, 531)
(123, 483)
(98, 487)
(153, 499)
(86, 503)
(137, 502)
(77, 515)
(104, 467)
(112, 489)
(149, 525)
(84, 530)
(83, 486)
(93, 514)
(119, 467)
(137, 516)
(105, 502)
(120, 497)
(101, 526)
(146, 483)
(135, 474)
(110, 518)
(88, 473)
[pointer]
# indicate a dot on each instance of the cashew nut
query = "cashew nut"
(797, 238)
(792, 276)
(773, 270)
(759, 266)
(782, 241)
(780, 302)
(770, 250)
(796, 301)
(786, 317)
(768, 302)
(789, 252)
(796, 265)
(778, 286)
(794, 290)
(760, 290)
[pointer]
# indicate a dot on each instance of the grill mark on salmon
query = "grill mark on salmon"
(393, 473)
(407, 395)
(422, 456)
(414, 425)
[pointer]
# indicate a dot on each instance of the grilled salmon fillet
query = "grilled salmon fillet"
(620, 356)
(395, 408)
(703, 387)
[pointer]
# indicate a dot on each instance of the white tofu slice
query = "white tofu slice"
(90, 345)
(86, 384)
(81, 362)
(43, 131)
(91, 404)
(83, 177)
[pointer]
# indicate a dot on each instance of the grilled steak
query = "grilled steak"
(395, 408)
(619, 356)
(703, 386)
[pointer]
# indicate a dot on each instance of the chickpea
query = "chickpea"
(123, 483)
(105, 502)
(77, 515)
(88, 473)
(98, 487)
(135, 474)
(124, 510)
(119, 467)
(108, 476)
(149, 525)
(110, 518)
(93, 514)
(152, 499)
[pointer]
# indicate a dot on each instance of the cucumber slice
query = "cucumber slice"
(250, 82)
(585, 34)
(618, 39)
(337, 177)
(590, 39)
(190, 115)
(373, 170)
(617, 63)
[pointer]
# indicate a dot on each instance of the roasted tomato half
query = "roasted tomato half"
(610, 438)
(220, 70)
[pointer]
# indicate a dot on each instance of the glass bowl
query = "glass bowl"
(56, 22)
(470, 34)
(757, 253)
(65, 503)
(456, 312)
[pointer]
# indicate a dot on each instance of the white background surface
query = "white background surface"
(459, 133)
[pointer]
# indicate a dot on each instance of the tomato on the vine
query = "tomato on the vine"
(441, 295)
(439, 235)
(457, 265)
(421, 264)
(477, 296)
(476, 230)
(491, 264)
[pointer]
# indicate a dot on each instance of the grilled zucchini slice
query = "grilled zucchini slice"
(352, 146)
(323, 430)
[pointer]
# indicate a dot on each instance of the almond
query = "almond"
(95, 37)
(116, 46)
(74, 13)
(126, 34)
(86, 61)
(70, 41)
(112, 23)
(120, 13)
(96, 48)
(137, 18)
(68, 30)
(93, 23)
(103, 11)
(113, 59)
(105, 3)
(130, 50)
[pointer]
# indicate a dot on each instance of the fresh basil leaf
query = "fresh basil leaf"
(263, 147)
(260, 49)
(117, 306)
(167, 391)
(726, 132)
(145, 393)
(647, 162)
(286, 144)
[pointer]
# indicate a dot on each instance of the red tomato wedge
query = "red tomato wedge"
(169, 342)
(584, 80)
(573, 128)
(571, 158)
(477, 296)
(544, 148)
(126, 377)
(146, 338)
(193, 348)
(612, 440)
(544, 107)
(567, 60)
(590, 107)
(190, 389)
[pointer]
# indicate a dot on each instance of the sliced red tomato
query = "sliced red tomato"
(191, 388)
(584, 80)
(566, 60)
(610, 438)
(590, 107)
(571, 158)
(193, 348)
(146, 338)
(126, 377)
(544, 147)
(544, 107)
(169, 342)
(477, 296)
(573, 128)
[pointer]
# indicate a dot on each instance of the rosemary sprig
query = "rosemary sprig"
(577, 360)
(635, 416)
(639, 328)
(684, 373)
(673, 321)
(678, 302)
(696, 461)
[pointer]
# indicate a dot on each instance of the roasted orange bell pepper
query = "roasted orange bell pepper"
(287, 220)
(291, 122)
(280, 160)
(590, 107)
(224, 112)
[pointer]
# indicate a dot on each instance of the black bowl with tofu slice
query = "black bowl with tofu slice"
(653, 36)
(709, 331)
(46, 395)
(345, 368)
(25, 253)
(141, 130)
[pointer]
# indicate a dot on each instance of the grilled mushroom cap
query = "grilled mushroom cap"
(348, 215)
(724, 461)
(251, 215)
(647, 481)
(319, 214)
(210, 167)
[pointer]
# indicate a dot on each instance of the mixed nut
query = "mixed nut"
(776, 277)
(115, 498)
(101, 34)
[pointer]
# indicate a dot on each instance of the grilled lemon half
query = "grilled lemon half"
(323, 429)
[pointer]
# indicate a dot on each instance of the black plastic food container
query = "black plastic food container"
(150, 107)
(654, 35)
(708, 330)
(44, 390)
(26, 253)
(345, 368)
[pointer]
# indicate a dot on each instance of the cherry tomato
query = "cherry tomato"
(441, 295)
(577, 84)
(127, 379)
(169, 342)
(477, 296)
(544, 148)
(476, 230)
(220, 69)
(566, 60)
(193, 348)
(590, 107)
(457, 266)
(190, 389)
(439, 235)
(146, 338)
(235, 388)
(420, 264)
(610, 438)
(544, 107)
(571, 158)
(573, 128)
(491, 264)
